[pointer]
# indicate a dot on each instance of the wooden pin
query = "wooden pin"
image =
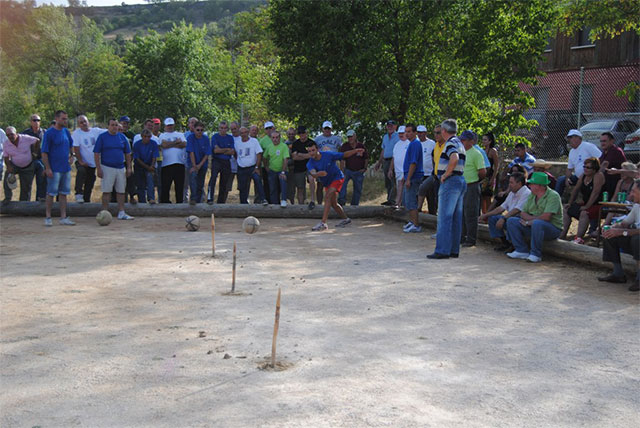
(233, 275)
(275, 331)
(213, 236)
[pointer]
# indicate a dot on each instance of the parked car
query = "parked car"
(618, 127)
(548, 138)
(632, 146)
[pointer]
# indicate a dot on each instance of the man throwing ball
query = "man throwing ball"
(322, 166)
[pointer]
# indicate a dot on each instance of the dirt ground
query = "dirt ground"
(128, 326)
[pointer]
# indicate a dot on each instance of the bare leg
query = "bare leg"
(420, 202)
(312, 188)
(583, 224)
(400, 188)
(63, 206)
(120, 199)
(566, 219)
(331, 198)
(325, 211)
(413, 216)
(106, 197)
(48, 206)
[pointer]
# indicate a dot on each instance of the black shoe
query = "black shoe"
(210, 202)
(386, 203)
(437, 256)
(468, 244)
(635, 287)
(510, 249)
(454, 255)
(312, 205)
(502, 247)
(614, 279)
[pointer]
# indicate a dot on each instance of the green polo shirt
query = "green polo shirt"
(550, 202)
(473, 162)
(276, 155)
(265, 142)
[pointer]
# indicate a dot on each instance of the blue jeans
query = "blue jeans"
(562, 182)
(494, 232)
(538, 232)
(274, 177)
(41, 179)
(144, 184)
(358, 179)
(245, 175)
(196, 183)
(450, 201)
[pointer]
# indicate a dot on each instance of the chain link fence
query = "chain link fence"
(593, 100)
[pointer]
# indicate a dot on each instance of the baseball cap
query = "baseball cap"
(326, 124)
(169, 121)
(467, 135)
(156, 120)
(391, 122)
(268, 125)
(422, 128)
(401, 129)
(124, 119)
(302, 129)
(574, 132)
(539, 178)
(351, 133)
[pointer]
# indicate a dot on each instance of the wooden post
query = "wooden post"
(275, 331)
(233, 275)
(213, 235)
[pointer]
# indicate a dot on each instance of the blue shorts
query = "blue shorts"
(410, 196)
(59, 184)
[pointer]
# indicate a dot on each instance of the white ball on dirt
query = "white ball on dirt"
(193, 223)
(251, 225)
(104, 218)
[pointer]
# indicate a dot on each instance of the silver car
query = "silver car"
(620, 128)
(632, 146)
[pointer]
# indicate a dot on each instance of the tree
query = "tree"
(364, 62)
(605, 18)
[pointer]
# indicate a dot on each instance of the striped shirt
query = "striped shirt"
(453, 145)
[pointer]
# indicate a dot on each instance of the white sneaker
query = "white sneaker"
(434, 236)
(283, 204)
(413, 229)
(80, 199)
(518, 255)
(125, 216)
(67, 222)
(320, 227)
(534, 259)
(407, 226)
(48, 222)
(344, 223)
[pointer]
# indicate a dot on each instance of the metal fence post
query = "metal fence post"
(580, 95)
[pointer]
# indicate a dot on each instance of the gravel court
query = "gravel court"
(127, 325)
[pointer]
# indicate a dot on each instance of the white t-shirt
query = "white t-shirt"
(247, 152)
(173, 155)
(86, 141)
(633, 217)
(427, 160)
(399, 152)
(138, 137)
(516, 200)
(577, 157)
(3, 138)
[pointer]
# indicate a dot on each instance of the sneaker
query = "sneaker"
(80, 199)
(534, 259)
(578, 240)
(344, 223)
(406, 226)
(125, 216)
(312, 205)
(66, 222)
(413, 229)
(265, 203)
(434, 236)
(152, 201)
(320, 227)
(48, 222)
(518, 255)
(283, 204)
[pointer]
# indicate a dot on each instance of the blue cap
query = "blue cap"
(468, 135)
(125, 119)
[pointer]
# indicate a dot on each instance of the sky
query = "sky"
(91, 2)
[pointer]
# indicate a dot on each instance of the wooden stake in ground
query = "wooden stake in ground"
(276, 324)
(233, 274)
(213, 236)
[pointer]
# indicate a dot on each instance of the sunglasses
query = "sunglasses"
(199, 129)
(588, 167)
(35, 120)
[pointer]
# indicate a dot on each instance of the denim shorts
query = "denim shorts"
(59, 184)
(410, 196)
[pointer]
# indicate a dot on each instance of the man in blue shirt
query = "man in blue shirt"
(56, 156)
(322, 166)
(112, 154)
(413, 174)
(386, 155)
(145, 153)
(198, 151)
(522, 158)
(222, 148)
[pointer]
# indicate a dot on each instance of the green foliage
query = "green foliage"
(605, 18)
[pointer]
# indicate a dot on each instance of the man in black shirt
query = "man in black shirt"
(300, 174)
(41, 180)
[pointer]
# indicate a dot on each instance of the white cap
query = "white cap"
(268, 125)
(574, 132)
(351, 133)
(169, 121)
(326, 124)
(422, 128)
(401, 129)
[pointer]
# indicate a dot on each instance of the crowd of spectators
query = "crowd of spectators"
(461, 182)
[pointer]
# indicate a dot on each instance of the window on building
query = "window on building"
(582, 38)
